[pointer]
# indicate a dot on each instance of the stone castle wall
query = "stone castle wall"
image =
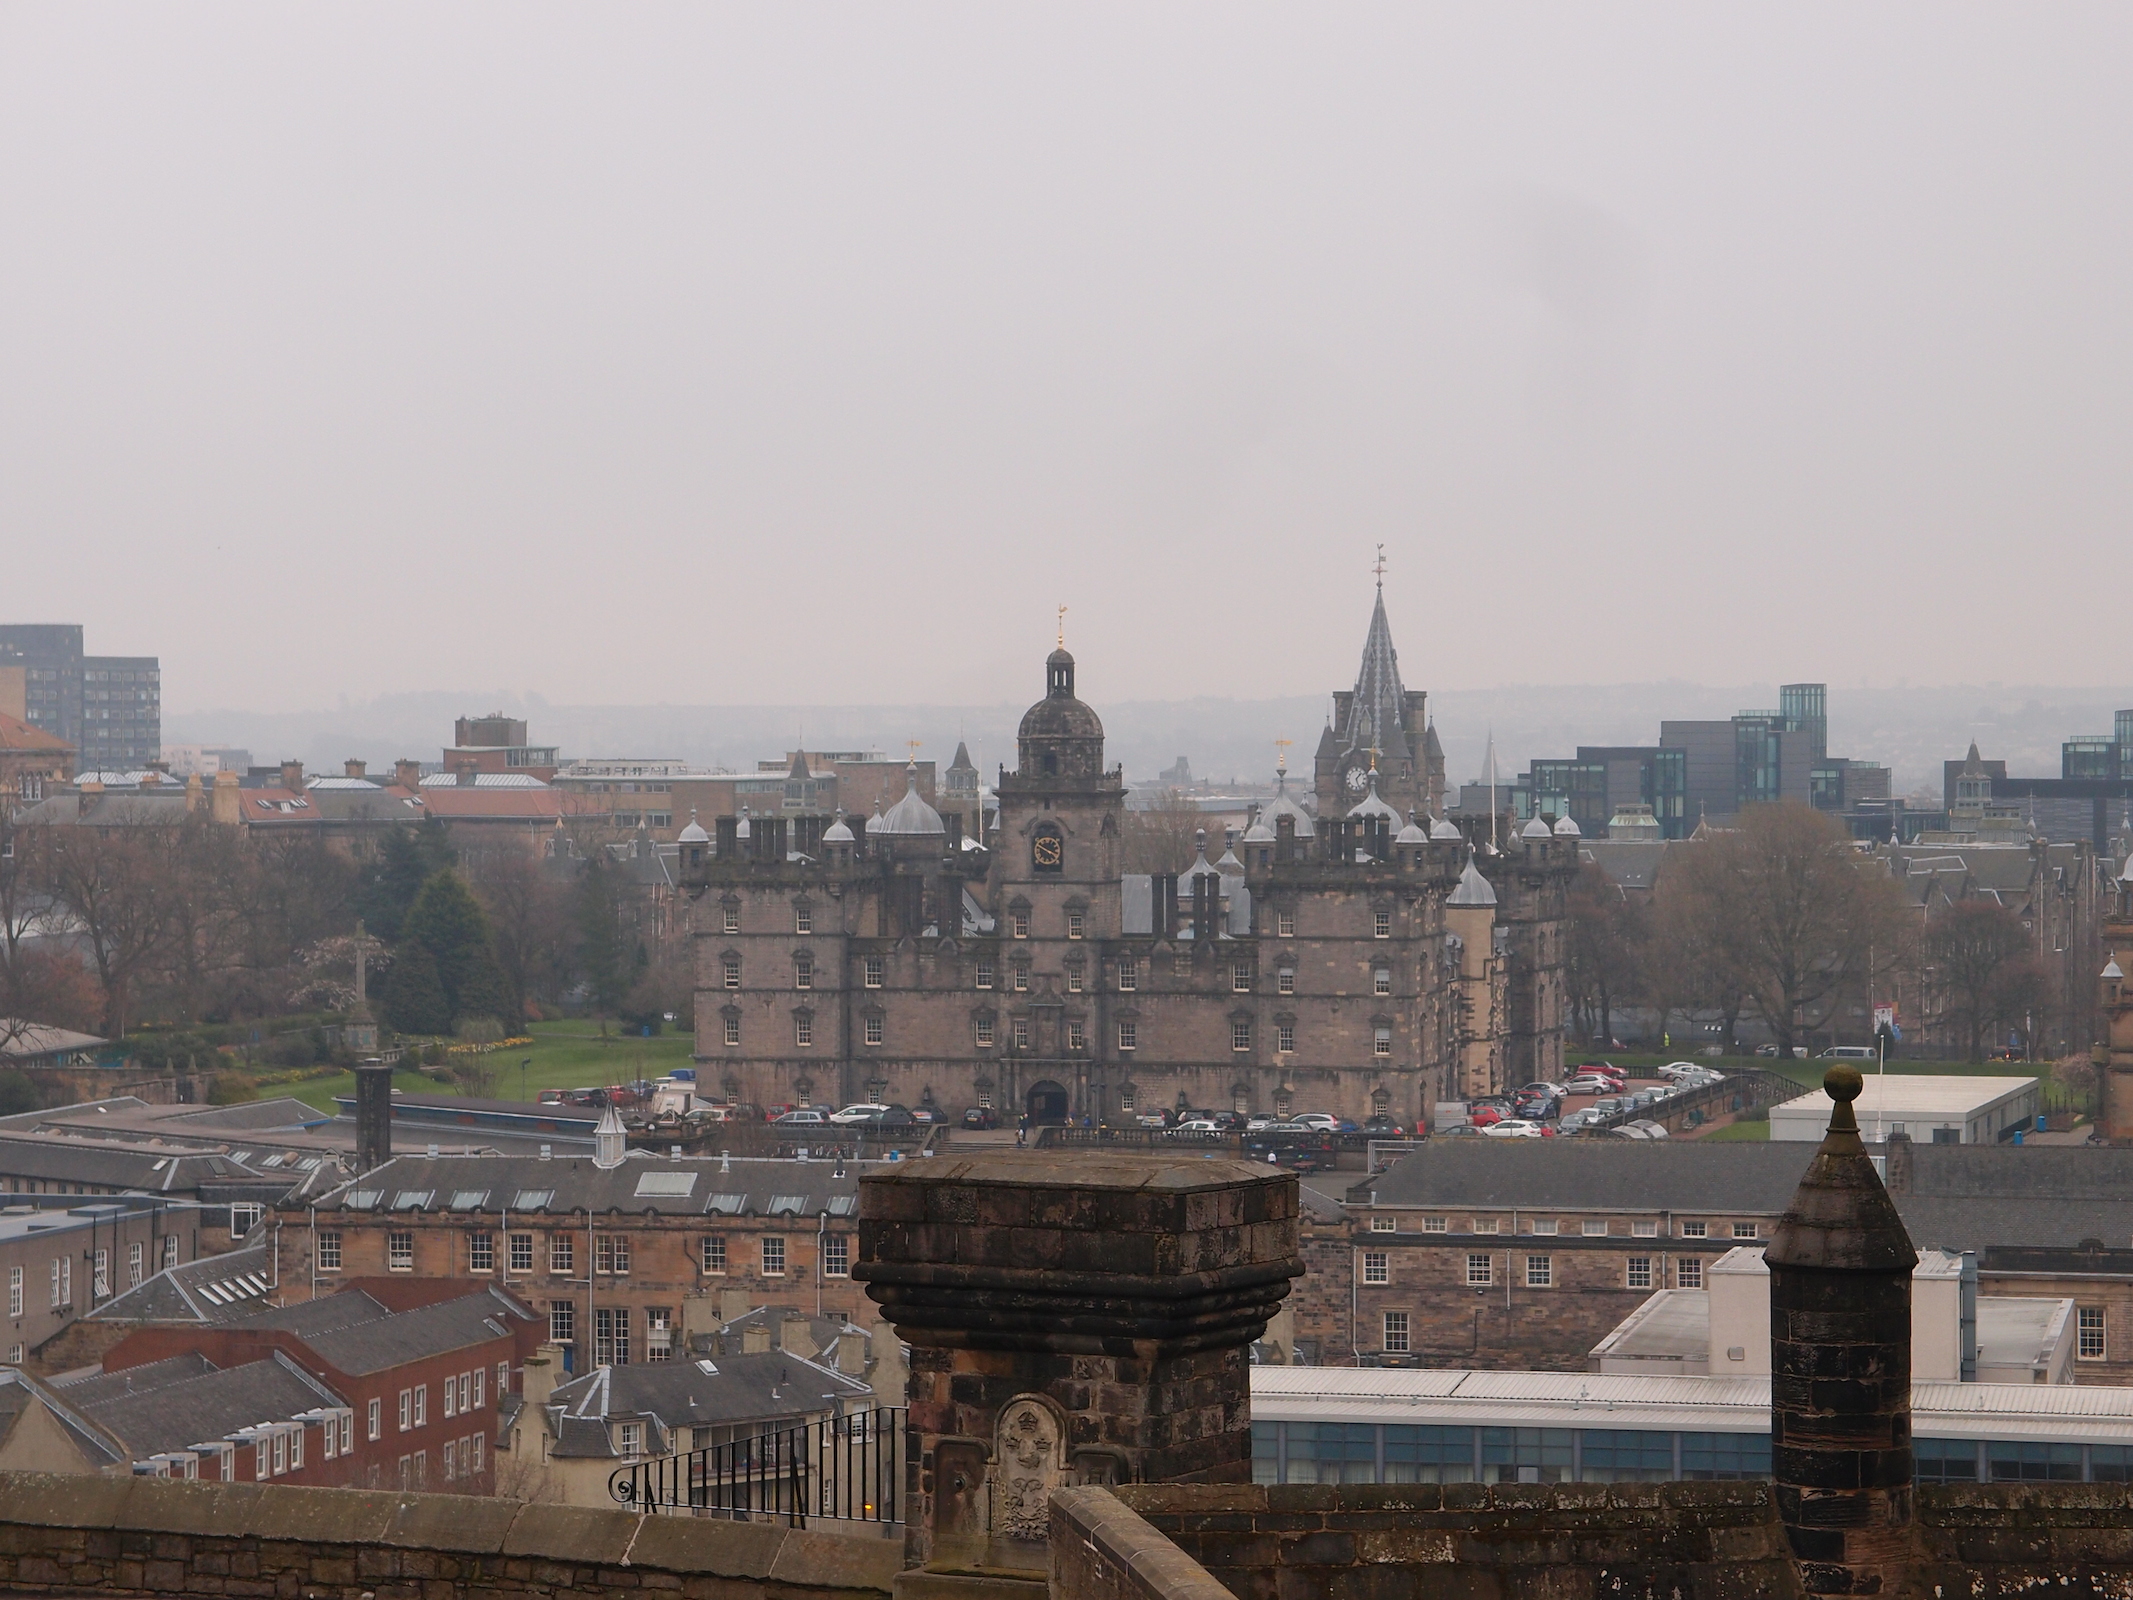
(155, 1536)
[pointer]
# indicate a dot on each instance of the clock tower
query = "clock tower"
(1058, 849)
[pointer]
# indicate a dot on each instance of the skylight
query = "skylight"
(364, 1199)
(677, 1185)
(730, 1204)
(469, 1199)
(413, 1199)
(843, 1205)
(532, 1199)
(792, 1203)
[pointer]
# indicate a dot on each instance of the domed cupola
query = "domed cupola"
(910, 817)
(1371, 806)
(1060, 738)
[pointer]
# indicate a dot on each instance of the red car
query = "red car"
(1482, 1116)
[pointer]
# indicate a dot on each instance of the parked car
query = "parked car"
(1483, 1116)
(1511, 1128)
(1650, 1130)
(884, 1117)
(1152, 1119)
(1382, 1124)
(1197, 1125)
(812, 1119)
(927, 1116)
(1593, 1086)
(865, 1111)
(1226, 1120)
(981, 1117)
(1317, 1119)
(621, 1094)
(1848, 1052)
(551, 1097)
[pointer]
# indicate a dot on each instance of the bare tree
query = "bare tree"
(1159, 837)
(1783, 912)
(1980, 973)
(1609, 934)
(118, 884)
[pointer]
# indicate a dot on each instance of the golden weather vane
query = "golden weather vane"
(1062, 627)
(1281, 758)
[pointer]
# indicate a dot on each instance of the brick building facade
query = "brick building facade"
(1313, 967)
(415, 1370)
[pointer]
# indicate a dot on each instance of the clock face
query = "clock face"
(1045, 851)
(1358, 779)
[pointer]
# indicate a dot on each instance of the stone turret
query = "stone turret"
(1840, 1359)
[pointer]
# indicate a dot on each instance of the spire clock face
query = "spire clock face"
(1358, 778)
(1047, 851)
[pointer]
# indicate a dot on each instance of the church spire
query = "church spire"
(1380, 698)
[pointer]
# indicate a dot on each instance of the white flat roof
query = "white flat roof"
(2096, 1412)
(1919, 1093)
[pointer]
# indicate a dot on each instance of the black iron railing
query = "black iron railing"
(847, 1469)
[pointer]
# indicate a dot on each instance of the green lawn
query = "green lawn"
(1739, 1132)
(564, 1055)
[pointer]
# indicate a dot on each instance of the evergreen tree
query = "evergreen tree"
(603, 955)
(414, 998)
(448, 923)
(407, 859)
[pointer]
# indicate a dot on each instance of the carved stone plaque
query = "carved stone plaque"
(1029, 1464)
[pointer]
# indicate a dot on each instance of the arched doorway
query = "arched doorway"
(1046, 1103)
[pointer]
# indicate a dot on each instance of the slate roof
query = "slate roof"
(19, 1391)
(357, 1333)
(214, 1289)
(1373, 720)
(152, 1409)
(714, 1186)
(768, 1388)
(108, 1166)
(1628, 863)
(1958, 1197)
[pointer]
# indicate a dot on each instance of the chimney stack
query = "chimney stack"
(1840, 1366)
(292, 775)
(374, 1117)
(407, 774)
(353, 768)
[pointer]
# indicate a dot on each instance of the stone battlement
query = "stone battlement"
(159, 1536)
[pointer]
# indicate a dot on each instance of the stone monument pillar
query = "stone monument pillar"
(1076, 1318)
(1840, 1366)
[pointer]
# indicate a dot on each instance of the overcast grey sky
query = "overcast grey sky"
(640, 352)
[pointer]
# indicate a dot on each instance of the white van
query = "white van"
(1848, 1052)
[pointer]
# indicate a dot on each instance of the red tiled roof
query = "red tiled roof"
(466, 802)
(15, 734)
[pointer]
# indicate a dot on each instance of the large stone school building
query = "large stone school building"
(1360, 963)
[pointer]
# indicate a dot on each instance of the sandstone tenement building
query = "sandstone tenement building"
(1353, 961)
